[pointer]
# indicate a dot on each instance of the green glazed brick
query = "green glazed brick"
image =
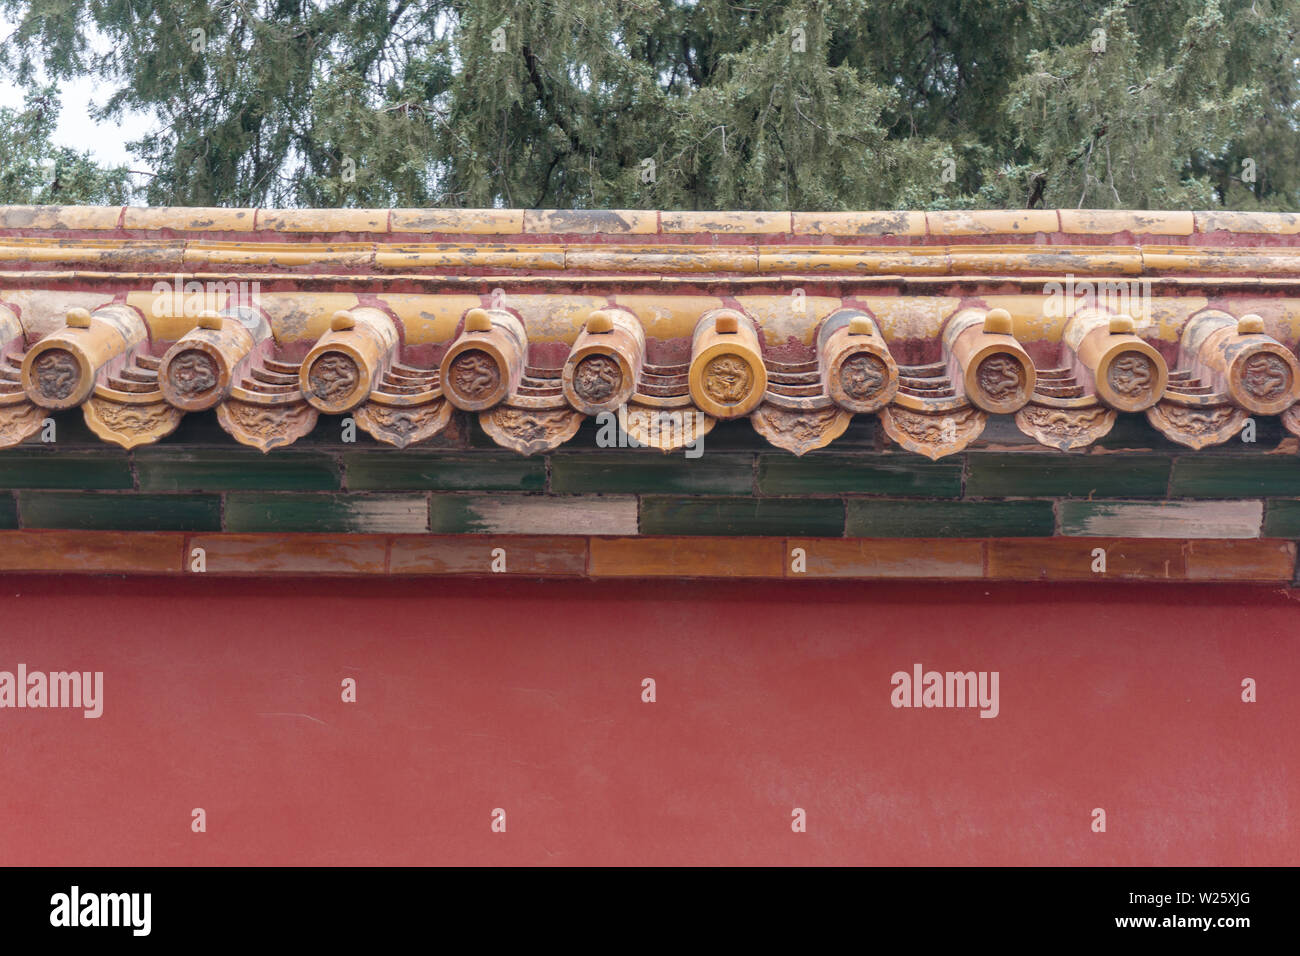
(8, 512)
(1281, 518)
(648, 471)
(234, 469)
(892, 518)
(376, 514)
(533, 514)
(1053, 475)
(408, 470)
(811, 517)
(869, 474)
(1224, 477)
(90, 511)
(48, 466)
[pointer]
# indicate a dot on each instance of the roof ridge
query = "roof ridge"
(632, 223)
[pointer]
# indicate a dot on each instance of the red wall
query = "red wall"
(225, 695)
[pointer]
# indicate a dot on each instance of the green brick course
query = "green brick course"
(378, 514)
(1225, 492)
(900, 475)
(235, 469)
(1161, 519)
(396, 470)
(48, 466)
(1281, 518)
(763, 516)
(649, 471)
(533, 514)
(1049, 475)
(894, 518)
(124, 511)
(1224, 477)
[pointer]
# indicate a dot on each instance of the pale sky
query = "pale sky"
(106, 141)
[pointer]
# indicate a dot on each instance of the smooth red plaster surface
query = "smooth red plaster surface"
(526, 695)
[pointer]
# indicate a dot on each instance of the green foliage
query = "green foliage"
(809, 104)
(1098, 114)
(34, 171)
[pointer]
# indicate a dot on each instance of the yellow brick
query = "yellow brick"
(1233, 262)
(1109, 221)
(479, 222)
(303, 316)
(453, 256)
(851, 260)
(859, 223)
(322, 220)
(278, 254)
(600, 221)
(1273, 223)
(1044, 260)
(727, 222)
(430, 319)
(666, 259)
(60, 217)
(670, 316)
(983, 222)
(781, 318)
(198, 219)
(552, 318)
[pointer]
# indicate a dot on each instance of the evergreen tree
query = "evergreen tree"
(808, 104)
(36, 172)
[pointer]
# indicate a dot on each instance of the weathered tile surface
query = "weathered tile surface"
(868, 558)
(392, 470)
(728, 516)
(484, 554)
(326, 512)
(1259, 560)
(119, 511)
(1050, 475)
(1282, 518)
(1086, 559)
(896, 475)
(290, 553)
(57, 467)
(901, 518)
(1165, 519)
(1226, 477)
(650, 472)
(234, 469)
(687, 557)
(91, 551)
(533, 514)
